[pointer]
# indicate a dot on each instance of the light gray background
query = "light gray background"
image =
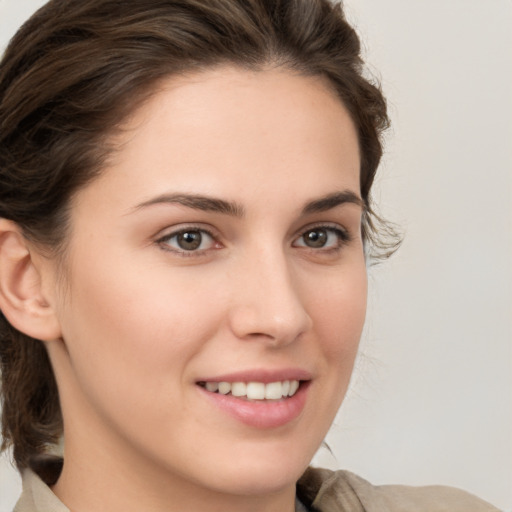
(431, 400)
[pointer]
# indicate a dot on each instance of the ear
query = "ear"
(22, 300)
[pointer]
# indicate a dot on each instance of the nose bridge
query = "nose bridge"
(267, 303)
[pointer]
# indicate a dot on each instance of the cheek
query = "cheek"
(339, 315)
(339, 312)
(126, 331)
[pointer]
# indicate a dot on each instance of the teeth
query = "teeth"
(274, 390)
(212, 386)
(224, 388)
(239, 389)
(255, 390)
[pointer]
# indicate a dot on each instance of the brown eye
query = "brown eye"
(189, 240)
(323, 237)
(315, 238)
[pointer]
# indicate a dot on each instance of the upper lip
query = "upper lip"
(261, 375)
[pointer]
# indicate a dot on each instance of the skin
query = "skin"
(141, 320)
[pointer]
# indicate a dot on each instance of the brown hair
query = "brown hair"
(77, 68)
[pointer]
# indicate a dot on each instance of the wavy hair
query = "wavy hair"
(78, 68)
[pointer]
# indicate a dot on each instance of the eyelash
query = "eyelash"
(343, 238)
(163, 241)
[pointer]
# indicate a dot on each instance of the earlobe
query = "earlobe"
(21, 295)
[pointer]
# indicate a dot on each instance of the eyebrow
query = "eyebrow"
(212, 204)
(331, 201)
(197, 202)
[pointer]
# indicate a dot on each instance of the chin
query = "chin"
(261, 482)
(261, 475)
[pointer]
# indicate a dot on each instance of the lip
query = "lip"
(260, 375)
(261, 414)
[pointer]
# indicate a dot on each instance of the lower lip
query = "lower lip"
(262, 414)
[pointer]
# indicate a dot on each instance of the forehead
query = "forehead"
(227, 130)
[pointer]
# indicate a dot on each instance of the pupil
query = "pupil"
(189, 240)
(316, 238)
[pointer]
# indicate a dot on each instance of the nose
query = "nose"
(266, 303)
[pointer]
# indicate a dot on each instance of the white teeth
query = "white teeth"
(212, 386)
(224, 388)
(274, 390)
(238, 389)
(255, 390)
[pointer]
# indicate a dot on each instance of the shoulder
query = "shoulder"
(37, 495)
(338, 491)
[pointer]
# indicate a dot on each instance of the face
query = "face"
(216, 285)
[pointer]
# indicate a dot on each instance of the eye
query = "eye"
(188, 241)
(322, 237)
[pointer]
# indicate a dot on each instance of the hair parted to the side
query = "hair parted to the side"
(73, 73)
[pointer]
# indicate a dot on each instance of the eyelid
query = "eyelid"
(165, 235)
(344, 235)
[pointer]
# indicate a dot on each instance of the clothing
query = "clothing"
(319, 490)
(322, 490)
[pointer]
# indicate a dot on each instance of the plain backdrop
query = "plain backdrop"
(431, 399)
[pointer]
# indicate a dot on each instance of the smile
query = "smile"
(262, 405)
(254, 390)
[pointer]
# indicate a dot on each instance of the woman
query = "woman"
(185, 219)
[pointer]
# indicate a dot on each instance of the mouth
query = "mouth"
(254, 390)
(259, 398)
